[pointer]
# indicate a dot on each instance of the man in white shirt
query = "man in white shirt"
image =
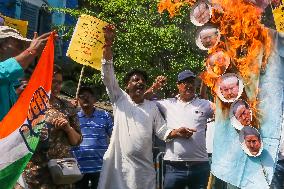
(128, 162)
(187, 163)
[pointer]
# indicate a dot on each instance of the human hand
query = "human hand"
(61, 123)
(109, 34)
(74, 102)
(38, 43)
(22, 87)
(182, 132)
(160, 81)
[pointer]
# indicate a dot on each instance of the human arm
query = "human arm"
(108, 75)
(160, 81)
(164, 133)
(74, 137)
(35, 49)
(10, 70)
(182, 132)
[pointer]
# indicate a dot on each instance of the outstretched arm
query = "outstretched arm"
(156, 86)
(35, 49)
(108, 76)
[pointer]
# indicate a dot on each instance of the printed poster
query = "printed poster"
(86, 46)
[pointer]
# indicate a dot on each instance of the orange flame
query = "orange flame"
(244, 35)
(244, 39)
(173, 6)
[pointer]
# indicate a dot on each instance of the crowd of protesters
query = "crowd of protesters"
(114, 151)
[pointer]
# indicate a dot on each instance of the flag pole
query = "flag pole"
(80, 81)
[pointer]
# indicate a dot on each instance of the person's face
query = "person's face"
(229, 90)
(218, 63)
(201, 13)
(86, 99)
(243, 115)
(12, 47)
(186, 88)
(56, 84)
(209, 39)
(253, 144)
(217, 67)
(136, 86)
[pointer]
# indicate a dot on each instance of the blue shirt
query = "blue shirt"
(10, 71)
(95, 130)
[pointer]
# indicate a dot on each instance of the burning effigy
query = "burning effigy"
(244, 70)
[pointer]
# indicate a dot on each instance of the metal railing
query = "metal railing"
(159, 166)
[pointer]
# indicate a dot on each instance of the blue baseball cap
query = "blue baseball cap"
(185, 74)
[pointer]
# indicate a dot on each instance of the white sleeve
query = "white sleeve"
(108, 77)
(160, 127)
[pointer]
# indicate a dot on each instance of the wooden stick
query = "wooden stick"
(80, 81)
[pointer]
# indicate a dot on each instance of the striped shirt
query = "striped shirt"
(96, 130)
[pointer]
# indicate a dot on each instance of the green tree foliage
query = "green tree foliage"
(146, 39)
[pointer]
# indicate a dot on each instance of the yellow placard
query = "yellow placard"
(278, 14)
(86, 46)
(20, 25)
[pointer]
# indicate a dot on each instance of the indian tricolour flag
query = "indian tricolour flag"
(20, 128)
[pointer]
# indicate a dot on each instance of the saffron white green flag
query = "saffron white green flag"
(20, 128)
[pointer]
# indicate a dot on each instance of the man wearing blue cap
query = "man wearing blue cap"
(128, 161)
(187, 163)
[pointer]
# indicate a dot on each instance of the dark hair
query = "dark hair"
(133, 72)
(86, 89)
(57, 69)
(238, 103)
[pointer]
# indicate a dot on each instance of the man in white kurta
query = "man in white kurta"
(128, 162)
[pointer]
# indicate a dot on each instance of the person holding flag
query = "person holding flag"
(23, 118)
(16, 54)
